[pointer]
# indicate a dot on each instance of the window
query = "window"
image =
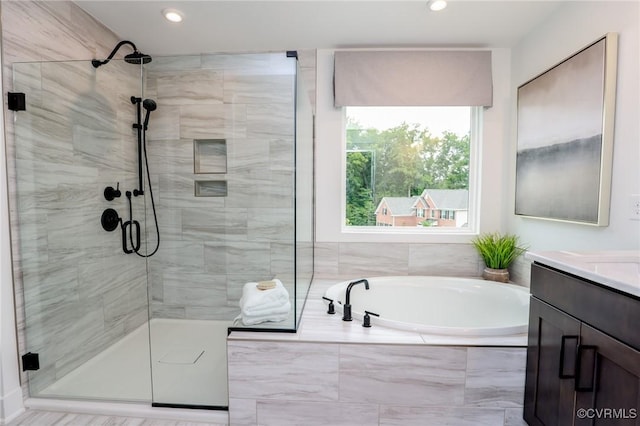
(400, 156)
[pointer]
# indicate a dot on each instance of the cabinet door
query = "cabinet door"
(607, 381)
(551, 354)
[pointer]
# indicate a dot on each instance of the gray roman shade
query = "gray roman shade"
(413, 78)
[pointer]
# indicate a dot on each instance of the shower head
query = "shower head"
(136, 58)
(149, 105)
(133, 58)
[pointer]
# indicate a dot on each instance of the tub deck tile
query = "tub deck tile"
(495, 377)
(283, 371)
(420, 416)
(403, 375)
(287, 413)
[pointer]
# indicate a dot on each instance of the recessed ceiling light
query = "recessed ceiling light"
(437, 5)
(172, 15)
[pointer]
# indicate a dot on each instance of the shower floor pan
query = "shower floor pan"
(188, 361)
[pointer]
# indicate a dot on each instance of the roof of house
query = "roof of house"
(399, 206)
(444, 199)
(448, 199)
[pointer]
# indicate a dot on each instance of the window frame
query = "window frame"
(475, 141)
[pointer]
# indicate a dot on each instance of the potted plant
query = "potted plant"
(497, 251)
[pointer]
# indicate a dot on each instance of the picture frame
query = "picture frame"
(565, 125)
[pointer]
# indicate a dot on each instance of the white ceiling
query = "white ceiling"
(239, 25)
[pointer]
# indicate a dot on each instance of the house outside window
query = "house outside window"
(427, 165)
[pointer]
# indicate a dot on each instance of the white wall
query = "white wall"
(329, 142)
(574, 26)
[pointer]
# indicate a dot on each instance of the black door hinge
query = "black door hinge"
(30, 361)
(16, 101)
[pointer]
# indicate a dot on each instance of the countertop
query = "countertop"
(618, 269)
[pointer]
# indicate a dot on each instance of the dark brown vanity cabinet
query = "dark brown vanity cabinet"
(583, 356)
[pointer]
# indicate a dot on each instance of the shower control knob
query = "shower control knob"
(110, 193)
(110, 220)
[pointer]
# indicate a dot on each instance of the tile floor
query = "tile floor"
(49, 418)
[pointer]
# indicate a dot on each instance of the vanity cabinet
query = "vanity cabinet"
(583, 355)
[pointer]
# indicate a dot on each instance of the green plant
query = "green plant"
(498, 251)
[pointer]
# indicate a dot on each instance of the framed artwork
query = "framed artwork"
(565, 138)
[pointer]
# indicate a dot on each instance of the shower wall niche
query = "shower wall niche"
(229, 155)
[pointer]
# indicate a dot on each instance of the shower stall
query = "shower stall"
(148, 195)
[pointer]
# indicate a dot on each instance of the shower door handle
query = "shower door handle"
(127, 228)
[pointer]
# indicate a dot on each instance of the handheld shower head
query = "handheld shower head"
(149, 105)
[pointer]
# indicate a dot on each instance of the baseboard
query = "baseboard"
(11, 406)
(124, 409)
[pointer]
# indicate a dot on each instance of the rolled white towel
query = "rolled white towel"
(261, 302)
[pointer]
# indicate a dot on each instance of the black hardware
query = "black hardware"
(110, 193)
(138, 126)
(149, 105)
(130, 225)
(346, 313)
(292, 54)
(332, 308)
(135, 58)
(592, 352)
(16, 101)
(110, 220)
(30, 361)
(569, 359)
(135, 246)
(367, 318)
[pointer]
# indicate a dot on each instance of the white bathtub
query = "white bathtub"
(439, 305)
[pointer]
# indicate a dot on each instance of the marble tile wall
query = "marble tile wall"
(73, 140)
(211, 246)
(287, 383)
(460, 260)
(355, 259)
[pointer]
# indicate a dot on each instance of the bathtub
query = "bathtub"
(439, 305)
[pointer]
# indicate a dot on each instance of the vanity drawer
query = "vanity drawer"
(611, 311)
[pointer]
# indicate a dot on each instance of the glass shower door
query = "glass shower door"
(222, 161)
(85, 301)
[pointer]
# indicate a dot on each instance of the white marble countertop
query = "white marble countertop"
(618, 269)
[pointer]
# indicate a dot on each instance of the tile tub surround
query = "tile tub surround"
(340, 372)
(350, 259)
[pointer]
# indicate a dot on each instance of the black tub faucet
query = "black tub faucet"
(347, 299)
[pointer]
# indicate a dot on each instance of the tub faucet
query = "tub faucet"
(347, 305)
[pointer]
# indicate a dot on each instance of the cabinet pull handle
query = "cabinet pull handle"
(570, 358)
(586, 384)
